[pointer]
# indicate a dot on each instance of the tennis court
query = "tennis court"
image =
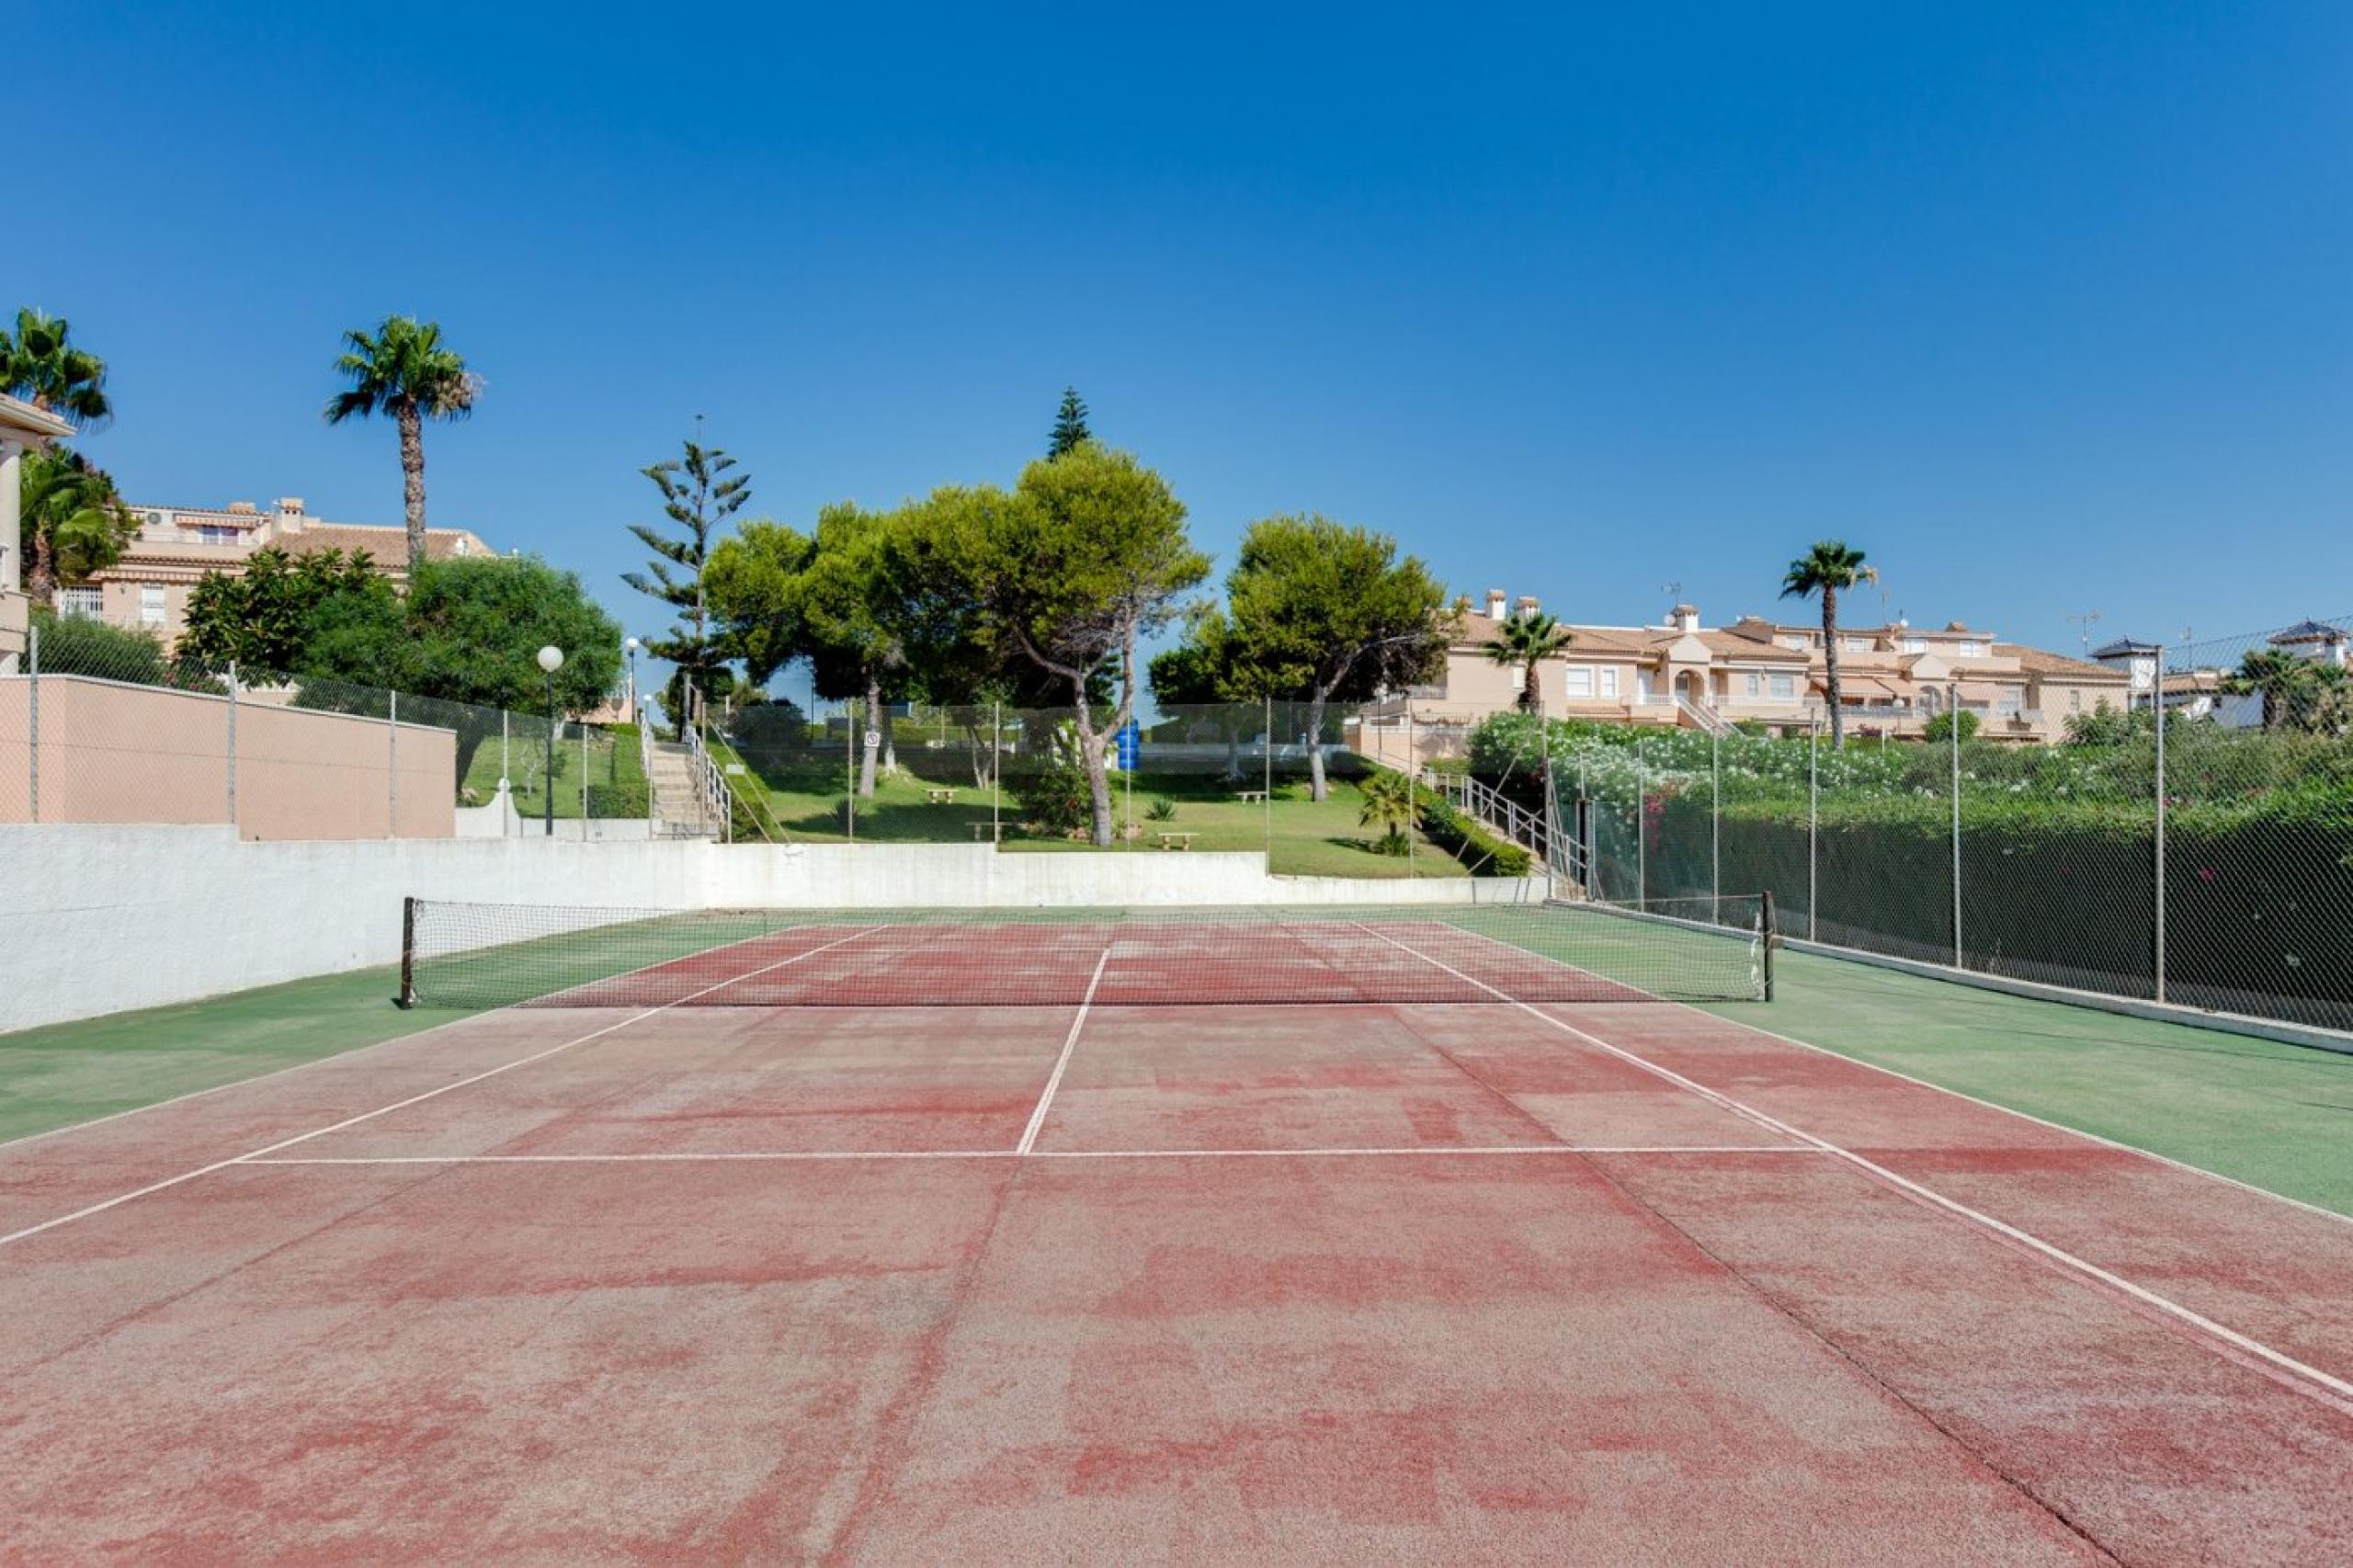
(1320, 1236)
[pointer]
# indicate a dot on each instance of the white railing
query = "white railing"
(711, 793)
(645, 765)
(1507, 818)
(1703, 717)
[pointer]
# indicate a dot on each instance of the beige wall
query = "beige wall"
(110, 753)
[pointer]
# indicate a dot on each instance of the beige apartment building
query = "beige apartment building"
(178, 545)
(1893, 678)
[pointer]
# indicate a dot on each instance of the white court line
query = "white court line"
(784, 1156)
(2327, 1389)
(9, 1143)
(1940, 1088)
(429, 1093)
(1070, 1043)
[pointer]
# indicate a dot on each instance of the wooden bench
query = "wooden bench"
(1250, 797)
(1176, 841)
(940, 796)
(981, 830)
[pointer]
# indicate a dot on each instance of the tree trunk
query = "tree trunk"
(1531, 687)
(1090, 752)
(412, 424)
(1232, 750)
(873, 734)
(1316, 786)
(40, 572)
(1830, 665)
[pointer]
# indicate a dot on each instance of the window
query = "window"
(209, 534)
(1970, 650)
(2008, 703)
(1756, 684)
(2075, 701)
(1799, 643)
(1580, 681)
(1915, 645)
(89, 601)
(1610, 682)
(150, 604)
(1785, 687)
(1859, 644)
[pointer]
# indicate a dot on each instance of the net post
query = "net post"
(1767, 937)
(1413, 789)
(407, 998)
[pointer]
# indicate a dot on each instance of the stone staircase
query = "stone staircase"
(679, 808)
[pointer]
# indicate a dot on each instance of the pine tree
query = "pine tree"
(697, 498)
(1070, 424)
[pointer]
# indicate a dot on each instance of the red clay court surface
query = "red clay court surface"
(1593, 1282)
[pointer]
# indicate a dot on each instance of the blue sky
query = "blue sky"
(2048, 307)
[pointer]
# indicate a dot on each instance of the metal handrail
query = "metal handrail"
(711, 784)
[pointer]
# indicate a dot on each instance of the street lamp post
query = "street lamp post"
(631, 647)
(550, 660)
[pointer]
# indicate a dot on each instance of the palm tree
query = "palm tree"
(2328, 698)
(2273, 674)
(40, 363)
(1527, 639)
(1388, 800)
(1828, 569)
(74, 522)
(407, 372)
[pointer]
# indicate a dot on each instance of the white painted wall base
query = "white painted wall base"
(96, 919)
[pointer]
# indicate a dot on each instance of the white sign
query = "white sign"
(873, 740)
(2144, 673)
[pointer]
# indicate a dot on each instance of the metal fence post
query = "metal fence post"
(233, 743)
(1268, 803)
(32, 734)
(584, 781)
(2158, 956)
(1642, 833)
(1953, 712)
(1413, 789)
(392, 765)
(1715, 822)
(996, 775)
(849, 800)
(1812, 823)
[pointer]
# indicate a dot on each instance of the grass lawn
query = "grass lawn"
(1308, 838)
(612, 761)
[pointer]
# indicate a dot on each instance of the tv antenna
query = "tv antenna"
(2087, 619)
(1672, 590)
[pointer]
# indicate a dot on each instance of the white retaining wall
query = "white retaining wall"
(97, 918)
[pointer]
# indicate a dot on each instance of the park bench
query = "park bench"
(984, 830)
(1250, 797)
(1176, 841)
(940, 796)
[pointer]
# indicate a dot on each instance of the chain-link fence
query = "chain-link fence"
(1319, 790)
(2206, 861)
(103, 725)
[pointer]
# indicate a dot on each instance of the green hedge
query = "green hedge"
(1486, 855)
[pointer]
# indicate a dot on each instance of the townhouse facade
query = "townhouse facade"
(1895, 679)
(178, 546)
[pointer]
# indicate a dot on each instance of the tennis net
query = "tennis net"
(486, 955)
